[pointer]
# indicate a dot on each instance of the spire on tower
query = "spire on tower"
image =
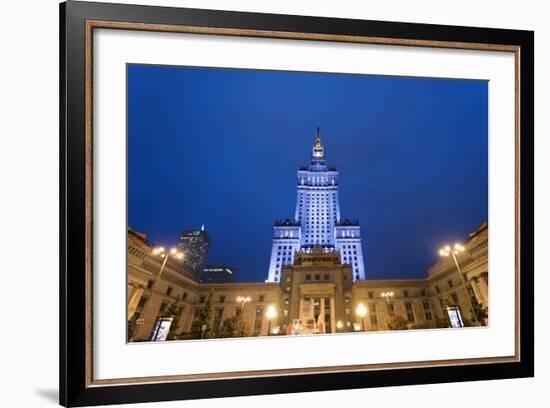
(318, 139)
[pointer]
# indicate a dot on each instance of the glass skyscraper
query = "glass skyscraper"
(316, 220)
(195, 245)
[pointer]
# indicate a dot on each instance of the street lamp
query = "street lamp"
(243, 300)
(159, 251)
(361, 311)
(339, 325)
(270, 314)
(454, 251)
(387, 295)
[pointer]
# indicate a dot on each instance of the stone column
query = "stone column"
(484, 288)
(322, 312)
(477, 292)
(332, 315)
(133, 301)
(299, 310)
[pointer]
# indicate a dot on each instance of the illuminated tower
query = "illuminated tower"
(316, 220)
(195, 245)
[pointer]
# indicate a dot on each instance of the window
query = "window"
(308, 277)
(373, 319)
(184, 296)
(288, 279)
(317, 277)
(410, 314)
(370, 295)
(437, 289)
(450, 283)
(406, 293)
(426, 305)
(222, 299)
(141, 304)
(326, 276)
(428, 315)
(258, 319)
(422, 292)
(169, 290)
(162, 308)
(261, 298)
(455, 298)
(202, 298)
(149, 284)
(218, 312)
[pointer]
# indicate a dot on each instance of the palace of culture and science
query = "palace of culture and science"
(317, 220)
(316, 281)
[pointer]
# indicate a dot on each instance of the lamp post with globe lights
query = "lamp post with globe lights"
(387, 295)
(160, 252)
(361, 311)
(242, 300)
(453, 252)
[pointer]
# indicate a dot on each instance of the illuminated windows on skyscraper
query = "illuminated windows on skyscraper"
(316, 220)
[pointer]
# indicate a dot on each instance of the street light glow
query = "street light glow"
(271, 312)
(173, 251)
(179, 255)
(339, 324)
(447, 250)
(361, 310)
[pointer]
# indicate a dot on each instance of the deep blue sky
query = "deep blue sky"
(221, 147)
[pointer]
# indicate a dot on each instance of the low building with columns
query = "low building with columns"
(316, 293)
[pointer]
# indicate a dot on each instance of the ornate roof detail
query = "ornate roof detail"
(287, 223)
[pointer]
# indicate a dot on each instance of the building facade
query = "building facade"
(316, 293)
(317, 220)
(195, 245)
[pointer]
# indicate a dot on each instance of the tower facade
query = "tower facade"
(316, 220)
(194, 245)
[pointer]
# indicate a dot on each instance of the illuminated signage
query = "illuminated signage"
(455, 317)
(162, 328)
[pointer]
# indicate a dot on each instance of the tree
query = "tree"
(479, 312)
(234, 327)
(173, 310)
(442, 322)
(396, 323)
(131, 328)
(425, 325)
(201, 328)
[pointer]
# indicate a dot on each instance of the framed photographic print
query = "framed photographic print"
(255, 203)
